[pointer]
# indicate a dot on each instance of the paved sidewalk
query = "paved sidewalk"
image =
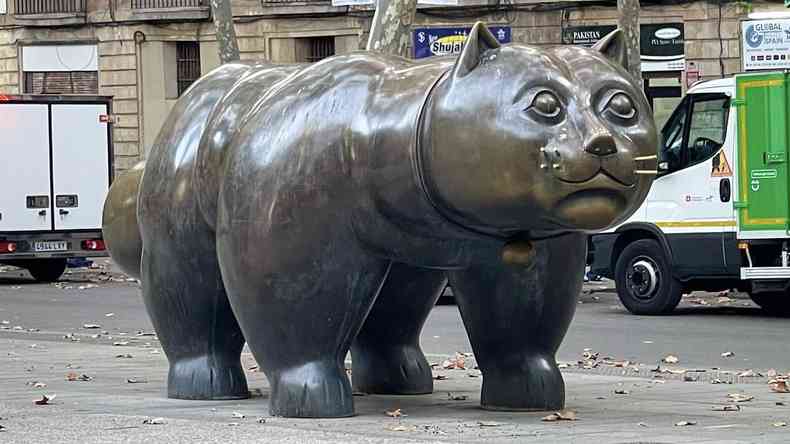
(109, 409)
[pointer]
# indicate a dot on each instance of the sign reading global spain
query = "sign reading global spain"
(444, 41)
(766, 44)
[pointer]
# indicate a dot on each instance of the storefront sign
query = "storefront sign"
(371, 2)
(352, 2)
(766, 44)
(585, 35)
(662, 44)
(444, 41)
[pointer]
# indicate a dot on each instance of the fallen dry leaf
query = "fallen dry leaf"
(685, 423)
(726, 408)
(739, 397)
(154, 421)
(394, 413)
(401, 428)
(778, 386)
(45, 399)
(490, 424)
(562, 415)
(671, 359)
(136, 381)
(455, 363)
(71, 376)
(727, 355)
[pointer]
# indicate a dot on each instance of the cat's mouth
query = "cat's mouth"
(601, 175)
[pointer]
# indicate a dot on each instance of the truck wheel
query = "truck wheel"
(775, 303)
(644, 281)
(46, 270)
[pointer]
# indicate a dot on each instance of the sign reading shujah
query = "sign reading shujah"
(445, 41)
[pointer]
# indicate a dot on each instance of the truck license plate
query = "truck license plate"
(51, 246)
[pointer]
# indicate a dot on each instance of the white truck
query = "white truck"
(55, 170)
(716, 217)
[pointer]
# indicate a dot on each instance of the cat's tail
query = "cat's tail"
(120, 229)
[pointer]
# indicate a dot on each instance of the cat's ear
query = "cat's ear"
(478, 41)
(612, 46)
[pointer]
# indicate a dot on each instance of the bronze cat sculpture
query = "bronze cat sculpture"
(313, 209)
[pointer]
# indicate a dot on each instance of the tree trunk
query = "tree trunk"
(390, 31)
(628, 21)
(226, 34)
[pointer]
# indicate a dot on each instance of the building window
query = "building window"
(187, 64)
(62, 82)
(60, 69)
(313, 49)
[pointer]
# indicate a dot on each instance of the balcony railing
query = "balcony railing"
(286, 2)
(37, 7)
(168, 4)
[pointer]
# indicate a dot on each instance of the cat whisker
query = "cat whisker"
(646, 172)
(654, 156)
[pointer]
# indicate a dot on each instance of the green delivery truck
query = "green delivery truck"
(718, 214)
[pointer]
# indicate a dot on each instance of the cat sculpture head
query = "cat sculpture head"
(523, 139)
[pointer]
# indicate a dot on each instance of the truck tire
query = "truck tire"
(644, 281)
(46, 270)
(775, 303)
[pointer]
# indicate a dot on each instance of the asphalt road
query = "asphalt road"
(696, 334)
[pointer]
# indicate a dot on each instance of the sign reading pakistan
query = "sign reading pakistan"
(766, 44)
(445, 41)
(662, 44)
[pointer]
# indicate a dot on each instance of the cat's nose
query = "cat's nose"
(600, 145)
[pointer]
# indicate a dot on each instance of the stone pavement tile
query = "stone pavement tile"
(109, 409)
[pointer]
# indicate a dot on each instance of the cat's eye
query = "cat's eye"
(545, 104)
(621, 106)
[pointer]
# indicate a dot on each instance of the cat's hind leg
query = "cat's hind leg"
(186, 300)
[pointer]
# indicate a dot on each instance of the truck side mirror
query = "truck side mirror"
(663, 166)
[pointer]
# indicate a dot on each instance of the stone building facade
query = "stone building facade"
(147, 51)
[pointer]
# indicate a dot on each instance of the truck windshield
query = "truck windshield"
(695, 132)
